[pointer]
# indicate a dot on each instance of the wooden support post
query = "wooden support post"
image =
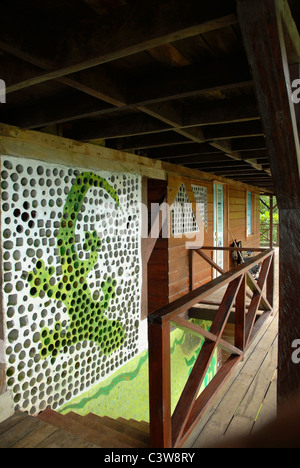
(160, 385)
(289, 303)
(264, 39)
(240, 316)
(271, 39)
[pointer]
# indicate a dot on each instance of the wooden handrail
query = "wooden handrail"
(166, 430)
(170, 311)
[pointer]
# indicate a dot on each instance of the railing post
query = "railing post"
(240, 316)
(160, 385)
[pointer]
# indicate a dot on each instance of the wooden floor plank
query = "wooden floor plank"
(268, 410)
(244, 418)
(220, 413)
(12, 421)
(56, 440)
(18, 431)
(219, 419)
(36, 437)
(225, 389)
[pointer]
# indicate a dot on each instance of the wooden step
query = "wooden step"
(53, 430)
(91, 429)
(23, 431)
(133, 429)
(123, 426)
(78, 429)
(142, 426)
(126, 432)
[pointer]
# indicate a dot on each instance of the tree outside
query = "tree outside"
(265, 220)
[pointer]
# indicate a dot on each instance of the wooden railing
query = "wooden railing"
(171, 430)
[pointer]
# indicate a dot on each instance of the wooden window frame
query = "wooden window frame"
(253, 212)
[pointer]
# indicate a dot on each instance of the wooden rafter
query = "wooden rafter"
(92, 43)
(100, 85)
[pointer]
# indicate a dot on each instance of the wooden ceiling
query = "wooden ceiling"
(166, 79)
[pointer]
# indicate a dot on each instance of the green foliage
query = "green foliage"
(265, 211)
(265, 220)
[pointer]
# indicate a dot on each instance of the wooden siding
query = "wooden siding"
(235, 220)
(238, 216)
(158, 262)
(158, 276)
(179, 264)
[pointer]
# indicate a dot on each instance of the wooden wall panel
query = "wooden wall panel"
(158, 291)
(157, 285)
(179, 262)
(234, 220)
(238, 216)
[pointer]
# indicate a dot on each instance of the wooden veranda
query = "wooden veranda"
(248, 400)
(235, 286)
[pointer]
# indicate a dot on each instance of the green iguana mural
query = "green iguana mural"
(87, 316)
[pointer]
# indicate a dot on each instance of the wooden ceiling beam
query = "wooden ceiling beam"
(135, 125)
(17, 73)
(54, 113)
(149, 25)
(147, 141)
(201, 159)
(193, 80)
(102, 40)
(254, 154)
(114, 128)
(99, 84)
(235, 130)
(232, 110)
(227, 147)
(248, 144)
(223, 165)
(236, 171)
(195, 134)
(121, 127)
(173, 152)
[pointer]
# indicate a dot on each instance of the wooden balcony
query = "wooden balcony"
(238, 284)
(248, 400)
